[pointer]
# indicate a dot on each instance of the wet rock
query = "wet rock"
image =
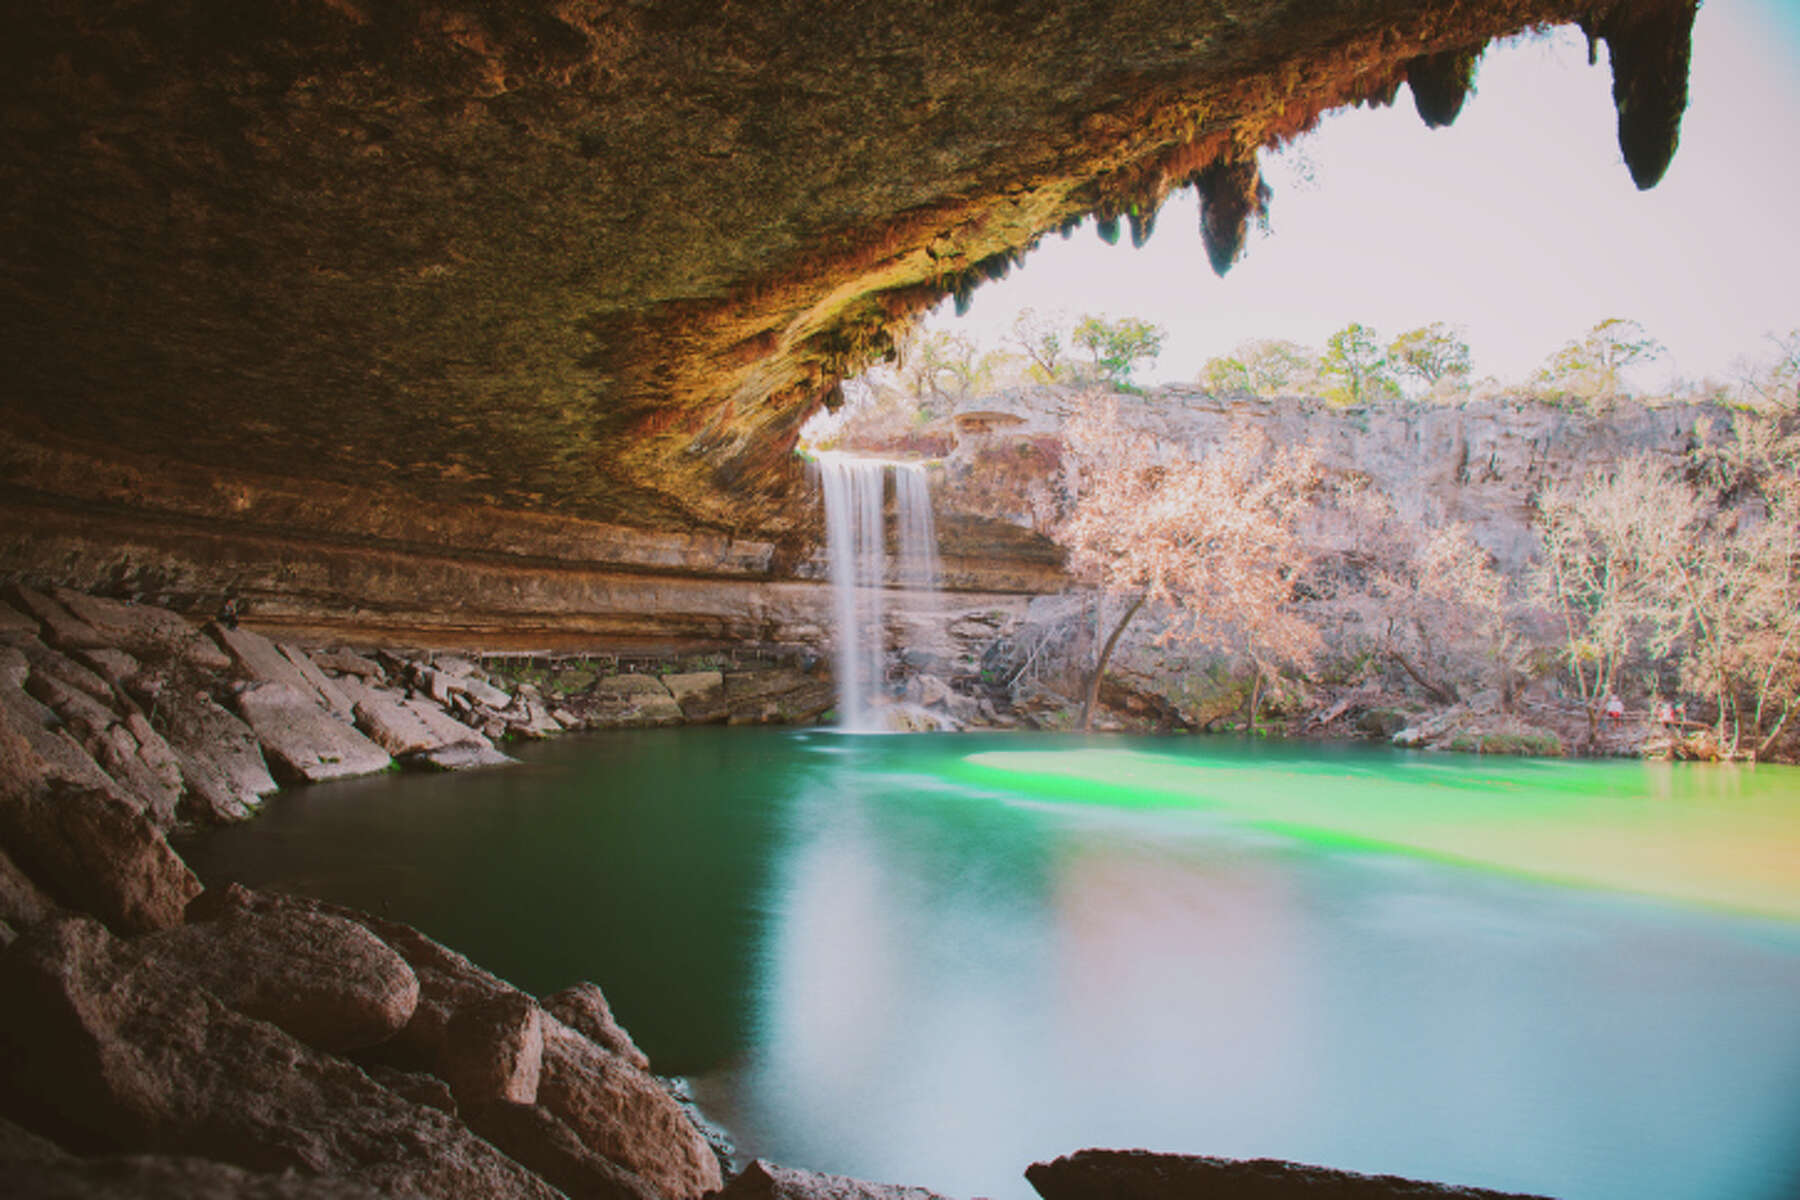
(764, 1181)
(625, 1113)
(494, 1050)
(221, 762)
(303, 742)
(463, 756)
(533, 1136)
(583, 1008)
(112, 1052)
(1142, 1175)
(328, 981)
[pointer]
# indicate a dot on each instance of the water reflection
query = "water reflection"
(879, 959)
(954, 985)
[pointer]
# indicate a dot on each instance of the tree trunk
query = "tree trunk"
(1093, 691)
(1252, 702)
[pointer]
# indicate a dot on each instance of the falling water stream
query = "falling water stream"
(856, 554)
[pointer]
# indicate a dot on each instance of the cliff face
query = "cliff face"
(596, 261)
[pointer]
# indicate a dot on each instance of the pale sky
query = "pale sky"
(1519, 223)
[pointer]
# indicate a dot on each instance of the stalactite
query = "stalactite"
(1231, 192)
(1441, 82)
(1650, 43)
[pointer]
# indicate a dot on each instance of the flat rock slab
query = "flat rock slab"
(463, 756)
(329, 692)
(144, 629)
(1142, 1175)
(14, 623)
(302, 740)
(58, 624)
(220, 760)
(401, 726)
(262, 661)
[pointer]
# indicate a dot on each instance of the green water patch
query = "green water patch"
(1720, 837)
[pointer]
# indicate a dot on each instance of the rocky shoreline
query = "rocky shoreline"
(161, 1040)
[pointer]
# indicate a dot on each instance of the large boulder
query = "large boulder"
(583, 1008)
(328, 981)
(494, 1051)
(96, 853)
(614, 1107)
(65, 823)
(764, 1181)
(625, 1113)
(304, 742)
(533, 1136)
(1142, 1175)
(112, 1051)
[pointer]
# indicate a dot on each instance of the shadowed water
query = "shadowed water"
(932, 960)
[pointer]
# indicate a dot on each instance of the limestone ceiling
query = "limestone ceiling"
(602, 258)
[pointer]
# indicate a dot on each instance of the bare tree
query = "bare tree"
(1208, 543)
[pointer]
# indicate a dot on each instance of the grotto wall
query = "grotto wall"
(519, 274)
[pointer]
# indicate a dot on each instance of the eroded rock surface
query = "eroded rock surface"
(112, 1050)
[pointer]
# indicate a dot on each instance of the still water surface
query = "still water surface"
(934, 960)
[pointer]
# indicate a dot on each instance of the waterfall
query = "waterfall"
(856, 556)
